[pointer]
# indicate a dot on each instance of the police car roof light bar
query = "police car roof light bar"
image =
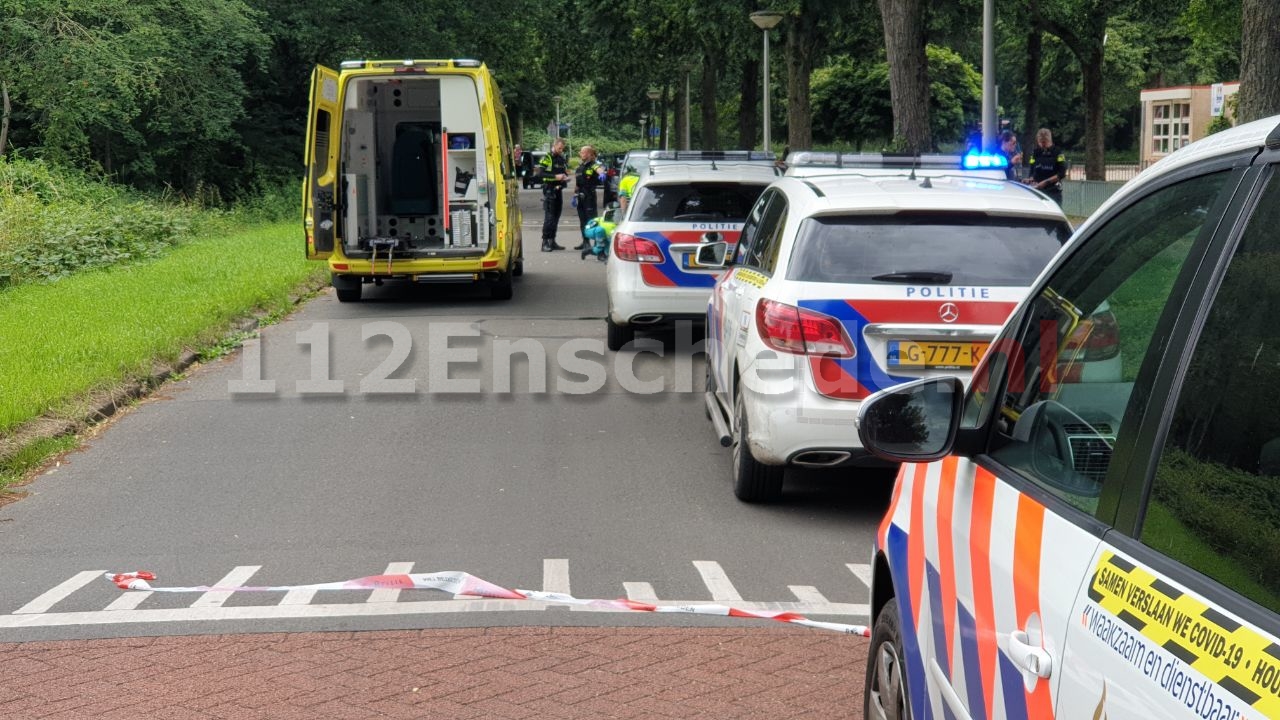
(712, 155)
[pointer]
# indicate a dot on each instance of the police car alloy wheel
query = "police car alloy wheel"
(885, 696)
(618, 335)
(753, 481)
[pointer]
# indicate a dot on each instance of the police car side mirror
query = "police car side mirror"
(713, 254)
(913, 422)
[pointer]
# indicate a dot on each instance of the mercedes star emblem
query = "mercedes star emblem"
(949, 312)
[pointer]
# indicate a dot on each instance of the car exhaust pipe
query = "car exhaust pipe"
(717, 419)
(821, 458)
(646, 319)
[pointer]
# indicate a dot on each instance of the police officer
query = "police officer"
(554, 168)
(585, 182)
(1009, 148)
(1048, 166)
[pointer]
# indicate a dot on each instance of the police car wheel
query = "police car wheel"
(618, 335)
(885, 696)
(501, 288)
(753, 481)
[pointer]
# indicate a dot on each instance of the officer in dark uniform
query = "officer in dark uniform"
(555, 172)
(585, 182)
(1048, 166)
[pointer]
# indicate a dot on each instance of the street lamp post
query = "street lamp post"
(644, 130)
(688, 139)
(765, 20)
(654, 94)
(557, 99)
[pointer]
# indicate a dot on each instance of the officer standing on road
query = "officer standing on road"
(585, 181)
(1009, 148)
(555, 172)
(1048, 166)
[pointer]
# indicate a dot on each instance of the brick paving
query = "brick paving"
(534, 672)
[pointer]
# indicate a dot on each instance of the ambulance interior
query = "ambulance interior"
(412, 164)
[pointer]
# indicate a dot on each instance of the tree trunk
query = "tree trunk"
(1259, 58)
(710, 121)
(1035, 55)
(749, 115)
(802, 37)
(904, 41)
(681, 142)
(1094, 125)
(4, 117)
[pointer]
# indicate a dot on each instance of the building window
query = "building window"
(1170, 127)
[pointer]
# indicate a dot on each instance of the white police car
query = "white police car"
(685, 199)
(847, 283)
(1061, 548)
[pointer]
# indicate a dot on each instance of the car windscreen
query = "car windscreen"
(925, 248)
(693, 201)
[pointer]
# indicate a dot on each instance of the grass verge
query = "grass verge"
(61, 342)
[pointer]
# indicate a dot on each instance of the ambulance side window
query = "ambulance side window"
(1075, 360)
(1215, 498)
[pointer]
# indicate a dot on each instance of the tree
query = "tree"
(1259, 58)
(904, 42)
(1082, 27)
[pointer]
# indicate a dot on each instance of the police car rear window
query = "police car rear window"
(692, 202)
(938, 249)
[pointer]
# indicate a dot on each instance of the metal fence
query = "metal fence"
(1080, 197)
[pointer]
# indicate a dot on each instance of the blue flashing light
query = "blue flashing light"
(984, 161)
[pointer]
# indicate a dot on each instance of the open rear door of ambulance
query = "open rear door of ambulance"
(320, 187)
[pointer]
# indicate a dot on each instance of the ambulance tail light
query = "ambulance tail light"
(800, 331)
(635, 249)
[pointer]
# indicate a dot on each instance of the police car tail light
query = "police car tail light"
(800, 331)
(635, 249)
(1097, 337)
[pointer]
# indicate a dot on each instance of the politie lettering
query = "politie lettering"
(950, 293)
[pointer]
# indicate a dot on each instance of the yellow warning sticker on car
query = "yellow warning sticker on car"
(1233, 656)
(751, 277)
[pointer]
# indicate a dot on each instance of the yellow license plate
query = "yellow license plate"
(926, 354)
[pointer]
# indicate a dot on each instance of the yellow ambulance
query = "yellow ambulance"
(410, 175)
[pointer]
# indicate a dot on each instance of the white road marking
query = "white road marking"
(861, 571)
(555, 576)
(63, 589)
(298, 603)
(235, 578)
(390, 594)
(298, 596)
(722, 590)
(640, 591)
(808, 594)
(129, 600)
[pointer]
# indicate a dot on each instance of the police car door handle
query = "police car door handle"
(1035, 660)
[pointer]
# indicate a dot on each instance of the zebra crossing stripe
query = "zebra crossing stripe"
(556, 574)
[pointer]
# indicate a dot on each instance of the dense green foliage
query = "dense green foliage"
(207, 99)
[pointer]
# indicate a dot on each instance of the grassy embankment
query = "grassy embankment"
(99, 286)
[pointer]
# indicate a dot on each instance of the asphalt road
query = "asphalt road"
(386, 436)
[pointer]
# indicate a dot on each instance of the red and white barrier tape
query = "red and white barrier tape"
(460, 583)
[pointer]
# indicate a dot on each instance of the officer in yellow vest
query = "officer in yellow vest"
(555, 173)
